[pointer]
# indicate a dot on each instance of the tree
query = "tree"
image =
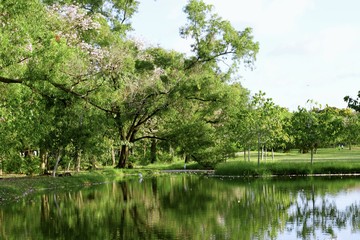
(331, 125)
(199, 127)
(306, 130)
(315, 127)
(266, 123)
(215, 40)
(353, 103)
(350, 133)
(80, 51)
(59, 59)
(167, 77)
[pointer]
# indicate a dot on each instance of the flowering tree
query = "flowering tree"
(79, 51)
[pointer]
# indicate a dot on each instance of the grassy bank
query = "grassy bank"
(286, 168)
(326, 161)
(13, 188)
(179, 165)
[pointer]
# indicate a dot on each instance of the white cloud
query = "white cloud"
(335, 42)
(267, 17)
(329, 43)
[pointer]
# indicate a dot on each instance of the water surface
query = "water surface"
(191, 207)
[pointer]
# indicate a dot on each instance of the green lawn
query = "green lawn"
(330, 155)
(323, 154)
(326, 161)
(177, 165)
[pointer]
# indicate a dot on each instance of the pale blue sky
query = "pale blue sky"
(309, 49)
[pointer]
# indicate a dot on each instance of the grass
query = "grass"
(179, 165)
(326, 161)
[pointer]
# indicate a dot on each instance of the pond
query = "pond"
(191, 207)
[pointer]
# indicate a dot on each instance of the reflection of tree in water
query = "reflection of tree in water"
(258, 212)
(354, 216)
(183, 207)
(314, 214)
(120, 214)
(186, 198)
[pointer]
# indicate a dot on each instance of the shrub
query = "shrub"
(14, 164)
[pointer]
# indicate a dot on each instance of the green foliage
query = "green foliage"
(214, 37)
(14, 164)
(306, 128)
(32, 165)
(353, 103)
(316, 127)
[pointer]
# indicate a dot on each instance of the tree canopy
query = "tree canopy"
(79, 63)
(77, 91)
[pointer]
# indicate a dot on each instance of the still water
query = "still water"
(191, 207)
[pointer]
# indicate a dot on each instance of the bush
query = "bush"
(14, 164)
(20, 165)
(31, 165)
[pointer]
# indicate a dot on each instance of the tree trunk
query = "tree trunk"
(258, 150)
(1, 167)
(123, 156)
(272, 154)
(93, 163)
(68, 167)
(153, 151)
(187, 158)
(244, 154)
(57, 162)
(113, 156)
(312, 155)
(249, 154)
(44, 160)
(265, 152)
(78, 160)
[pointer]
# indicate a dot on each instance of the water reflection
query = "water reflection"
(191, 207)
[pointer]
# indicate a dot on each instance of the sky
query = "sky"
(309, 49)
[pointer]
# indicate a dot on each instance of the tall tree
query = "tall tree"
(80, 51)
(159, 79)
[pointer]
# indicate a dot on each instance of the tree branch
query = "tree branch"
(149, 137)
(20, 61)
(201, 99)
(11, 80)
(82, 96)
(208, 59)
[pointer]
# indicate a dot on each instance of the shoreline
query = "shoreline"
(13, 189)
